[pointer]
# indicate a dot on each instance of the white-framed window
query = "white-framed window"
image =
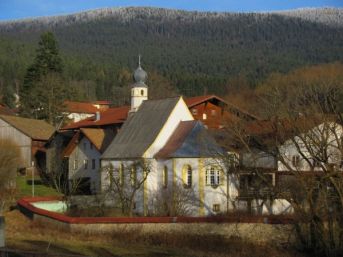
(204, 116)
(142, 92)
(85, 164)
(213, 176)
(165, 177)
(76, 164)
(296, 161)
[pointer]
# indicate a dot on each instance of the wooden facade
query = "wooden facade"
(7, 131)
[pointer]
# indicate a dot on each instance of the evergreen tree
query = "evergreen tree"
(47, 62)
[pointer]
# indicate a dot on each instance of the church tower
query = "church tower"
(139, 90)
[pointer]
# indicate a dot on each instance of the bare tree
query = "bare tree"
(303, 135)
(9, 158)
(174, 201)
(125, 182)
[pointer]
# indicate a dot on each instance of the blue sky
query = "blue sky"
(15, 9)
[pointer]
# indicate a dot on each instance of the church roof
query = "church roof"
(141, 129)
(190, 140)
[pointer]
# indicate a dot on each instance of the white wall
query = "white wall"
(82, 152)
(330, 133)
(75, 117)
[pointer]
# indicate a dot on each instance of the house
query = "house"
(76, 111)
(282, 149)
(81, 158)
(214, 112)
(177, 152)
(30, 135)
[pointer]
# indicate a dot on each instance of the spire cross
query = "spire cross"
(139, 60)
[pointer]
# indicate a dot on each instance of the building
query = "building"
(30, 135)
(177, 155)
(214, 112)
(76, 111)
(81, 158)
(283, 151)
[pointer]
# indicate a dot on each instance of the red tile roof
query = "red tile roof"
(110, 116)
(119, 114)
(80, 107)
(192, 101)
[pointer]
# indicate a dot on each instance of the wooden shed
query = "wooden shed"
(29, 134)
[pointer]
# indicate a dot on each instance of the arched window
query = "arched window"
(133, 176)
(187, 176)
(121, 174)
(165, 177)
(142, 92)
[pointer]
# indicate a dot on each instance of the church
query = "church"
(162, 161)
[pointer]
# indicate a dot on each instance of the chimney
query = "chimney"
(97, 116)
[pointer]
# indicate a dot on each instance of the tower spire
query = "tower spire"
(139, 60)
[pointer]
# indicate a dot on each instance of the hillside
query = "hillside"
(194, 51)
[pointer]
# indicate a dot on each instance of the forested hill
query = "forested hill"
(194, 51)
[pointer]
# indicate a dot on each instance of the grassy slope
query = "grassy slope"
(25, 188)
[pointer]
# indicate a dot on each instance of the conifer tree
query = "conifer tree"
(46, 63)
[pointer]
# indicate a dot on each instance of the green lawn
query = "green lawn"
(25, 188)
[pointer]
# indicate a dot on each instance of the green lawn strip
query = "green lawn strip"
(25, 188)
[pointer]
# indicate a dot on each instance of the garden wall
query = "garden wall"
(253, 228)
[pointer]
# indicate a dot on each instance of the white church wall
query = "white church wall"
(105, 182)
(215, 194)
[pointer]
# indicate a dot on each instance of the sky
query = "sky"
(17, 9)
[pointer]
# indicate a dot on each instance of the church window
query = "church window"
(133, 176)
(213, 176)
(187, 176)
(165, 177)
(142, 92)
(121, 174)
